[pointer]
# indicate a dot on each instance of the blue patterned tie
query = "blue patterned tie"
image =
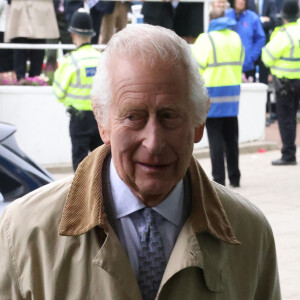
(151, 257)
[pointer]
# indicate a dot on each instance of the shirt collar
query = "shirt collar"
(125, 202)
(172, 207)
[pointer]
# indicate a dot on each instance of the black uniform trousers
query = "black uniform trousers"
(6, 57)
(21, 56)
(84, 135)
(223, 136)
(287, 103)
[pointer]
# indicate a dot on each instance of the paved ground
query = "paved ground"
(272, 133)
(276, 191)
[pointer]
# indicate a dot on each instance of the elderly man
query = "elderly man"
(140, 219)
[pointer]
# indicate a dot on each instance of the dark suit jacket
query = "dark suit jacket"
(269, 10)
(106, 7)
(70, 7)
(158, 13)
(251, 5)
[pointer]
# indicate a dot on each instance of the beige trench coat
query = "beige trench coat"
(31, 19)
(56, 243)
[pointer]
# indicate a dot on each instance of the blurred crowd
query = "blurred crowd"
(38, 22)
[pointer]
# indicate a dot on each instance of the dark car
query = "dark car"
(18, 173)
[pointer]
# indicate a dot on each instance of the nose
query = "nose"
(154, 136)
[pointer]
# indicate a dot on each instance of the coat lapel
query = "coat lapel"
(215, 261)
(113, 259)
(186, 253)
(200, 250)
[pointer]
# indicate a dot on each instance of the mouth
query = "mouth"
(153, 167)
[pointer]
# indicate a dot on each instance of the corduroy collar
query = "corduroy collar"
(84, 206)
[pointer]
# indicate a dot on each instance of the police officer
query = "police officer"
(72, 86)
(220, 56)
(282, 55)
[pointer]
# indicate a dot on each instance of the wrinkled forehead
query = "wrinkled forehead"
(140, 66)
(146, 81)
(150, 60)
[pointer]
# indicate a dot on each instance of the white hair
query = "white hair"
(152, 45)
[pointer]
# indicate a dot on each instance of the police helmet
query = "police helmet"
(290, 10)
(81, 23)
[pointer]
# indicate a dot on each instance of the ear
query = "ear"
(199, 133)
(105, 134)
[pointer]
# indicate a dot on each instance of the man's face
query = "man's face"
(240, 5)
(150, 128)
(220, 4)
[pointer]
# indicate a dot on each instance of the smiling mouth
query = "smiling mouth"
(154, 166)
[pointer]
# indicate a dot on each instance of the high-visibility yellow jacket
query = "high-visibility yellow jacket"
(74, 78)
(220, 56)
(282, 53)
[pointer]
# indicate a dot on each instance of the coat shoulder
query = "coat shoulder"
(244, 216)
(38, 210)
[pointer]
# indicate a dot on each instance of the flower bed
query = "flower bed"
(9, 78)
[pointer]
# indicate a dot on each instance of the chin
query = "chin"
(151, 200)
(153, 195)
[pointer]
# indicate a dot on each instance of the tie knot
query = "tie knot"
(149, 216)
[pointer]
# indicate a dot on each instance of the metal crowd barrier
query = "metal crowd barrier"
(44, 46)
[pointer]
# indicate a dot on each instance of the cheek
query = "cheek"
(123, 146)
(184, 145)
(188, 136)
(124, 141)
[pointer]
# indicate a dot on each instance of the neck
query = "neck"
(149, 200)
(82, 44)
(238, 11)
(79, 41)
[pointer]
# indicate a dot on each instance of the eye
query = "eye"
(135, 119)
(135, 116)
(132, 117)
(169, 115)
(171, 118)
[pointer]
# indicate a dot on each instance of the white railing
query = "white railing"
(58, 46)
